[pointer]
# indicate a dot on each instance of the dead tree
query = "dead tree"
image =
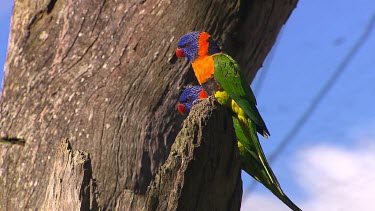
(101, 74)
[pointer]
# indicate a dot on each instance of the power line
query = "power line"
(320, 95)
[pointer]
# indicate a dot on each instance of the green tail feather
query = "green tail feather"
(254, 162)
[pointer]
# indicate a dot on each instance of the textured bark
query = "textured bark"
(196, 175)
(99, 73)
(71, 186)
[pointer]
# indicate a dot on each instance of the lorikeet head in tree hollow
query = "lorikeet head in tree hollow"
(196, 44)
(188, 97)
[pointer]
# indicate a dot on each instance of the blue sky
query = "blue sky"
(313, 168)
(324, 165)
(5, 13)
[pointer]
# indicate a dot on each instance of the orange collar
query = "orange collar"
(204, 68)
(203, 44)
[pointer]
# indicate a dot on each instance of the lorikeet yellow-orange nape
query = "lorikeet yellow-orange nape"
(215, 71)
(253, 160)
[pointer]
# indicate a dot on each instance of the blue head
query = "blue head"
(188, 97)
(195, 44)
(188, 45)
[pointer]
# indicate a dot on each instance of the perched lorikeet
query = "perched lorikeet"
(253, 160)
(217, 71)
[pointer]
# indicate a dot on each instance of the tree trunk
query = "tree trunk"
(71, 186)
(102, 74)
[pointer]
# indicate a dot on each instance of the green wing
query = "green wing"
(254, 162)
(230, 78)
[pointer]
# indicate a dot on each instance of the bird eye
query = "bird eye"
(186, 45)
(188, 99)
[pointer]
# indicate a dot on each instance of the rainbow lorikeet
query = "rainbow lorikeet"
(253, 160)
(217, 71)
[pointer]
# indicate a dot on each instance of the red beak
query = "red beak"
(180, 53)
(181, 108)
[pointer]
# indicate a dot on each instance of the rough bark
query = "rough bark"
(71, 186)
(196, 175)
(188, 180)
(100, 74)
